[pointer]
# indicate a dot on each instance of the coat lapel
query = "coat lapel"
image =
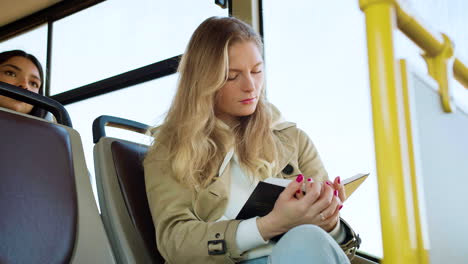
(223, 179)
(286, 152)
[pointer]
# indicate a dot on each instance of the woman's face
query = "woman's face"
(239, 96)
(21, 72)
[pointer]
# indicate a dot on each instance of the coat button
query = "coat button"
(288, 169)
(216, 247)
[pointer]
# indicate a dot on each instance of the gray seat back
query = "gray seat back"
(122, 194)
(49, 214)
(38, 198)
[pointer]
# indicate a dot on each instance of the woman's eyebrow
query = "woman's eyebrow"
(237, 70)
(12, 66)
(35, 77)
(19, 69)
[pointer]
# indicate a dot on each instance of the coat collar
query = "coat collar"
(226, 161)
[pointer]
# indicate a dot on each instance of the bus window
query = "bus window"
(117, 36)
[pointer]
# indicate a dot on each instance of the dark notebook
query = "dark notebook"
(261, 201)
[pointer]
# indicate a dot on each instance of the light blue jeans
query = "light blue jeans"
(304, 244)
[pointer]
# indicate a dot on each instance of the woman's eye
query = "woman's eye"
(256, 72)
(231, 78)
(34, 84)
(10, 73)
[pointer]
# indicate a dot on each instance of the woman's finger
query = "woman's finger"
(330, 210)
(338, 185)
(299, 193)
(330, 223)
(313, 191)
(290, 190)
(324, 200)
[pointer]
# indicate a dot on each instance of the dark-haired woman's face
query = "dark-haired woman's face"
(21, 72)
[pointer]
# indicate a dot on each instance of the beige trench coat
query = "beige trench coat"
(186, 231)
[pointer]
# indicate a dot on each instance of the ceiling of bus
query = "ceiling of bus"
(12, 10)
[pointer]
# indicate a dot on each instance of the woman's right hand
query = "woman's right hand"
(290, 211)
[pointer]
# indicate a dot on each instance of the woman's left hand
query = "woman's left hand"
(326, 208)
(330, 214)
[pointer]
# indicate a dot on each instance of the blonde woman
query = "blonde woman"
(219, 139)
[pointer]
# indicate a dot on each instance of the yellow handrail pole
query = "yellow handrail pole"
(431, 43)
(461, 72)
(419, 213)
(399, 244)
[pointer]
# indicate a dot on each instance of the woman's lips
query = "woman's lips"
(248, 101)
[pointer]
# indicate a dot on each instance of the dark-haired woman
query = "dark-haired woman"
(23, 70)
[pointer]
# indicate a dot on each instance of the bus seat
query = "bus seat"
(122, 194)
(48, 212)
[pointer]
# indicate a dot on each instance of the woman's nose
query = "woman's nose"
(249, 84)
(23, 83)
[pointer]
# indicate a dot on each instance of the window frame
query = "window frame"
(136, 76)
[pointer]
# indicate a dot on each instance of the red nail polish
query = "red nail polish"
(341, 206)
(309, 180)
(339, 180)
(328, 183)
(299, 178)
(298, 191)
(335, 192)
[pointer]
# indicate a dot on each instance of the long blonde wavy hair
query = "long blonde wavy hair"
(196, 140)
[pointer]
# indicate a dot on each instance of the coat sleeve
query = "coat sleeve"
(309, 160)
(181, 236)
